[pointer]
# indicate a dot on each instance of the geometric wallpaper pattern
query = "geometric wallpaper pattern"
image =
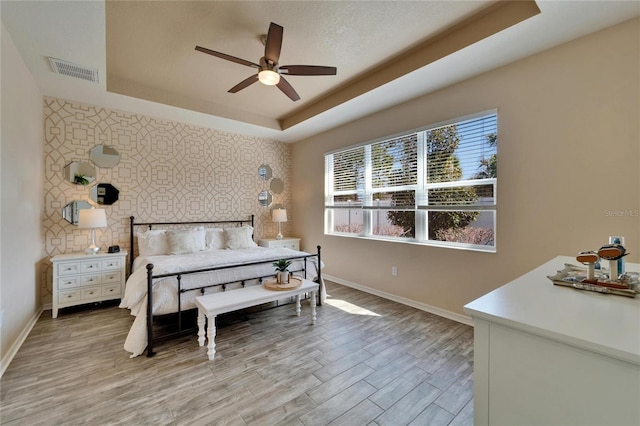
(168, 171)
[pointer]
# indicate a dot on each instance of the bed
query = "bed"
(173, 262)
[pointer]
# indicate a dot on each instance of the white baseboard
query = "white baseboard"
(418, 305)
(6, 360)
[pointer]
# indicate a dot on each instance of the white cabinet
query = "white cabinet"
(290, 243)
(546, 354)
(86, 278)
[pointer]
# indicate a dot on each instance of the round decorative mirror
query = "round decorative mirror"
(276, 185)
(265, 198)
(105, 193)
(265, 172)
(71, 212)
(80, 173)
(104, 156)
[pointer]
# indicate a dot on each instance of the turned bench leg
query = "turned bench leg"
(201, 330)
(211, 335)
(313, 307)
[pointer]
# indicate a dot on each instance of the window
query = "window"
(434, 186)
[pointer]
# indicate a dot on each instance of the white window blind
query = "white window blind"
(435, 186)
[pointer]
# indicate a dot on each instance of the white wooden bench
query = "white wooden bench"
(211, 305)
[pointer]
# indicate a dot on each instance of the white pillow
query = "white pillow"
(152, 242)
(214, 239)
(239, 237)
(185, 241)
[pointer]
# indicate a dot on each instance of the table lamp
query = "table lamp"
(279, 216)
(92, 219)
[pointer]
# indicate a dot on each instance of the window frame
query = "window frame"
(422, 208)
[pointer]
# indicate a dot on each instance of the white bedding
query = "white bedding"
(165, 299)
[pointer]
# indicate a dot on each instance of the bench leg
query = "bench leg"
(297, 304)
(211, 335)
(201, 328)
(313, 307)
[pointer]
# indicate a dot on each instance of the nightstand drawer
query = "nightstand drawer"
(91, 293)
(68, 282)
(290, 243)
(111, 290)
(90, 266)
(68, 269)
(111, 277)
(69, 296)
(107, 265)
(92, 279)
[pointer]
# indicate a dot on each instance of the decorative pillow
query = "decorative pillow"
(185, 241)
(214, 239)
(239, 237)
(152, 242)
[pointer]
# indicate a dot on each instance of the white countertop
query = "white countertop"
(606, 324)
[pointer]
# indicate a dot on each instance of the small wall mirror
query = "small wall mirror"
(265, 172)
(277, 186)
(80, 173)
(265, 198)
(71, 212)
(105, 193)
(104, 156)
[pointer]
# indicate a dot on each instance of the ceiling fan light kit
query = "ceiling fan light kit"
(269, 73)
(269, 77)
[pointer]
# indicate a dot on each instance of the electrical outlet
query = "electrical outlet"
(394, 271)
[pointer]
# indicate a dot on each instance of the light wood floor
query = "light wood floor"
(367, 361)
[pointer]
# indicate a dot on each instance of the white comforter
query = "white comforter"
(165, 299)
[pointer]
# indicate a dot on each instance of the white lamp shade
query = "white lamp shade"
(92, 218)
(279, 215)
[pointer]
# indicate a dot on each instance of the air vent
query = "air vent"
(73, 70)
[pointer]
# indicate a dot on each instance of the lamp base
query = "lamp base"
(92, 249)
(279, 237)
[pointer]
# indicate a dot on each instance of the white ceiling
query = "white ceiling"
(150, 50)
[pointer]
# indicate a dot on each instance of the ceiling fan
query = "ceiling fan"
(269, 71)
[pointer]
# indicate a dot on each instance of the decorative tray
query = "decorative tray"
(576, 277)
(272, 284)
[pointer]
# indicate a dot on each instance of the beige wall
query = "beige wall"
(569, 160)
(21, 199)
(168, 171)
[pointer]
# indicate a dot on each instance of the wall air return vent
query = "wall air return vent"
(73, 70)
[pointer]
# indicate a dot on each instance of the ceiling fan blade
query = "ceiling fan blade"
(287, 89)
(244, 83)
(227, 57)
(307, 70)
(274, 43)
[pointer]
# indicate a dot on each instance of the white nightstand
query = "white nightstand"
(286, 242)
(80, 278)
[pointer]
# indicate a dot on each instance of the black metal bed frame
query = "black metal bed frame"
(150, 277)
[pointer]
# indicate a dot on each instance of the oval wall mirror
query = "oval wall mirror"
(71, 212)
(276, 186)
(105, 193)
(104, 156)
(265, 172)
(265, 198)
(80, 173)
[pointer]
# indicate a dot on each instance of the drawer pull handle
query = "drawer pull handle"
(69, 269)
(69, 296)
(90, 266)
(111, 277)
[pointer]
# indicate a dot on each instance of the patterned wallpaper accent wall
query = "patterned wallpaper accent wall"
(169, 171)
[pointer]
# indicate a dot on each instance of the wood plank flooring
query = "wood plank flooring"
(367, 361)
